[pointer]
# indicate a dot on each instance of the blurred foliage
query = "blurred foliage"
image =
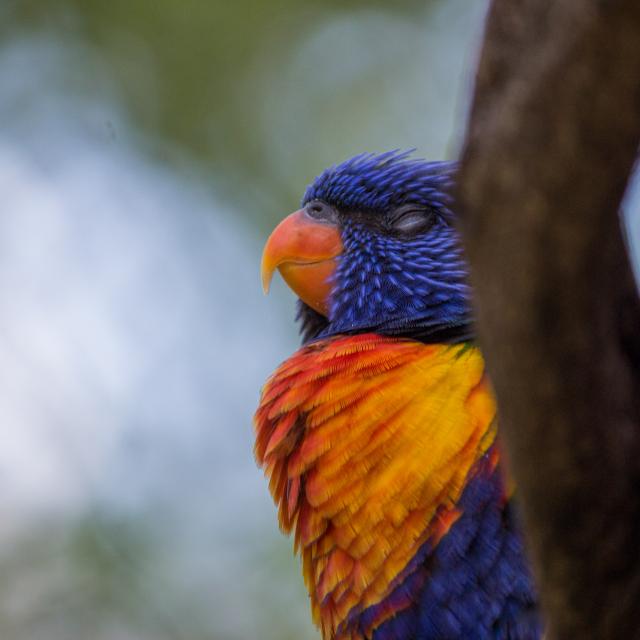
(181, 65)
(187, 73)
(106, 577)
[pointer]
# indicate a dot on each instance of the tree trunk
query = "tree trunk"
(552, 138)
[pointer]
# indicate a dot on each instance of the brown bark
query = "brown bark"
(552, 137)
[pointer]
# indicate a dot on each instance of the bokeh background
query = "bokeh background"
(146, 149)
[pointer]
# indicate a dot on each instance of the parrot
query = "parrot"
(379, 435)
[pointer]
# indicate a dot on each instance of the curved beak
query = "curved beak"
(304, 251)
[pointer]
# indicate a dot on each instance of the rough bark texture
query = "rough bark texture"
(553, 134)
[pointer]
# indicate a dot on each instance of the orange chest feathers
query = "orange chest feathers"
(367, 442)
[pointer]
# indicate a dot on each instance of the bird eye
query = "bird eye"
(320, 211)
(411, 219)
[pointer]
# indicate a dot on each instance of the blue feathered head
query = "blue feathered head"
(394, 263)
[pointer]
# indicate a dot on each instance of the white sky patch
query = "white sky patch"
(133, 332)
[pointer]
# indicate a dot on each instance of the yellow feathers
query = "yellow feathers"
(368, 442)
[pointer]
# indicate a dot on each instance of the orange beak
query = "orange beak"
(304, 251)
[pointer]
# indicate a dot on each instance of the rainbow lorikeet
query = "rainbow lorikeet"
(379, 435)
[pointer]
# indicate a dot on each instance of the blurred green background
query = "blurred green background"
(262, 95)
(146, 149)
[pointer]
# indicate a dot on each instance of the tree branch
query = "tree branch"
(552, 138)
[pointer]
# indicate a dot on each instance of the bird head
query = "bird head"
(374, 248)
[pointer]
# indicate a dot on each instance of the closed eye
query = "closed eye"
(411, 219)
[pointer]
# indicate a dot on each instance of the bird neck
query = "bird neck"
(398, 286)
(457, 329)
(369, 442)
